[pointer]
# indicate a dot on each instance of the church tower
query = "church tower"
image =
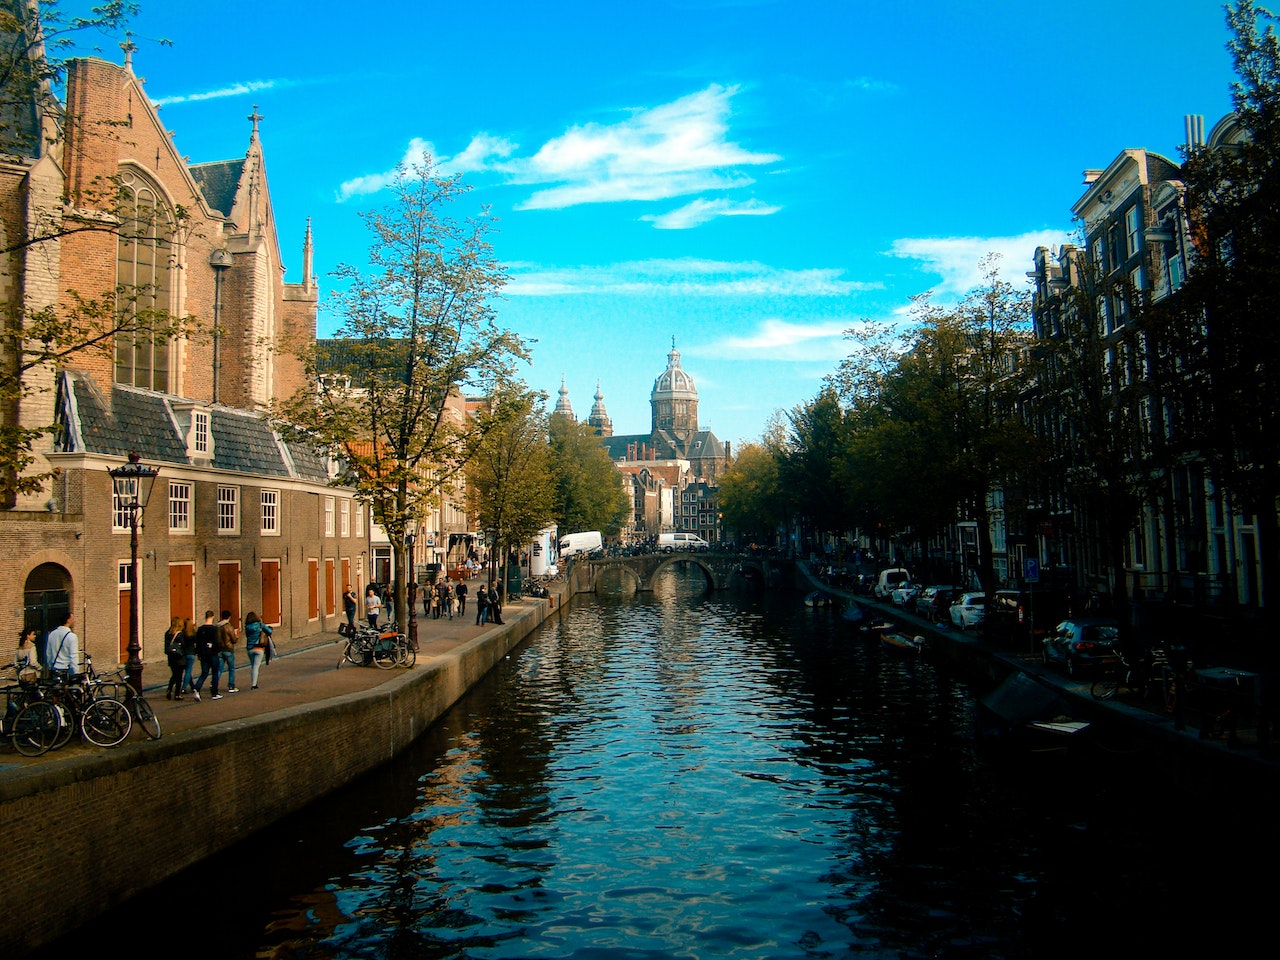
(563, 408)
(674, 401)
(599, 420)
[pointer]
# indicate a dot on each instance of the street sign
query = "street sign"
(1031, 570)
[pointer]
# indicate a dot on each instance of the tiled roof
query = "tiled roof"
(146, 421)
(218, 181)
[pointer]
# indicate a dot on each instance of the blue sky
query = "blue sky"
(752, 178)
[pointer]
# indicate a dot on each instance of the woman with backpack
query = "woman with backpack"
(175, 651)
(257, 636)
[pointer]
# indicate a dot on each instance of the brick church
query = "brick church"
(240, 517)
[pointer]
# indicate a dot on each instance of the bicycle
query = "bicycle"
(116, 686)
(1142, 678)
(384, 648)
(63, 705)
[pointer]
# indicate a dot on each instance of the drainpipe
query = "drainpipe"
(220, 260)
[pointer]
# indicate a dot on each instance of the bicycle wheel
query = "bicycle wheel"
(35, 728)
(66, 723)
(106, 723)
(384, 652)
(145, 714)
(353, 654)
(408, 655)
(1104, 688)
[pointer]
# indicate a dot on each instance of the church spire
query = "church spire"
(308, 253)
(599, 419)
(563, 409)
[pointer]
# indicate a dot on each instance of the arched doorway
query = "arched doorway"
(46, 600)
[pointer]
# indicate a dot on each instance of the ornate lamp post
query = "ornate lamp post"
(413, 593)
(133, 484)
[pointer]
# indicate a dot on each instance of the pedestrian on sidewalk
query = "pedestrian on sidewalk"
(228, 635)
(175, 653)
(349, 604)
(495, 604)
(206, 649)
(256, 637)
(482, 605)
(460, 591)
(189, 648)
(372, 606)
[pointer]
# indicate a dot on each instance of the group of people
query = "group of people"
(214, 644)
(446, 598)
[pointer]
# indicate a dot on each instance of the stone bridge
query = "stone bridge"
(720, 569)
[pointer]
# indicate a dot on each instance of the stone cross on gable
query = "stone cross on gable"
(255, 117)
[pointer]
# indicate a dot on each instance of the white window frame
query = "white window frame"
(328, 516)
(1133, 229)
(269, 503)
(120, 512)
(228, 510)
(201, 437)
(344, 518)
(359, 518)
(180, 506)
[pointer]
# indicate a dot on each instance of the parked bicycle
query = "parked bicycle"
(384, 647)
(1149, 676)
(59, 707)
(116, 686)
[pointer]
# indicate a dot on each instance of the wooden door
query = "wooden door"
(229, 589)
(313, 589)
(182, 591)
(271, 592)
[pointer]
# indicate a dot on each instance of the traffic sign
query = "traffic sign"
(1031, 569)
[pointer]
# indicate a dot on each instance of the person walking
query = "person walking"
(372, 606)
(226, 660)
(63, 648)
(460, 591)
(256, 637)
(206, 644)
(175, 652)
(495, 603)
(26, 659)
(189, 649)
(482, 605)
(349, 606)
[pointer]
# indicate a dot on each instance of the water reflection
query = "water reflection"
(682, 775)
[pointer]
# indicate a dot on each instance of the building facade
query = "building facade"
(241, 517)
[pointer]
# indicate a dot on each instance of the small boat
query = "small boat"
(901, 644)
(818, 598)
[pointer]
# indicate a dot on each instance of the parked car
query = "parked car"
(889, 580)
(1082, 645)
(968, 610)
(934, 601)
(904, 595)
(1022, 617)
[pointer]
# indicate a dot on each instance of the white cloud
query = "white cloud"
(683, 277)
(235, 90)
(670, 150)
(779, 340)
(700, 211)
(475, 157)
(957, 259)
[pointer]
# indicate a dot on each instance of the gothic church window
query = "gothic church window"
(144, 264)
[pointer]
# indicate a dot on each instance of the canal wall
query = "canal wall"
(82, 836)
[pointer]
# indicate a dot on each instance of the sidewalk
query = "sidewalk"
(305, 670)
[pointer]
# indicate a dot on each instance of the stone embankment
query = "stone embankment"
(86, 828)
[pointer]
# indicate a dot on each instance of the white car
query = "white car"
(905, 595)
(968, 610)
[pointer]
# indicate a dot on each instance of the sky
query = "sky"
(752, 179)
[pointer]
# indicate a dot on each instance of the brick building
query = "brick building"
(241, 517)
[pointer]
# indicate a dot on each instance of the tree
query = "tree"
(815, 446)
(508, 477)
(36, 41)
(753, 503)
(418, 326)
(1232, 294)
(588, 488)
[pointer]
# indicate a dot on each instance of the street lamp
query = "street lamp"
(413, 594)
(133, 484)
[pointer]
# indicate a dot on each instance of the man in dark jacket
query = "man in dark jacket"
(206, 650)
(482, 605)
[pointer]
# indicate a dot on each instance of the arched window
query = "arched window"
(143, 275)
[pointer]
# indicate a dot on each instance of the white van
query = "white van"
(681, 541)
(889, 580)
(575, 543)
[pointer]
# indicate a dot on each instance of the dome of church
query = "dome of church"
(674, 382)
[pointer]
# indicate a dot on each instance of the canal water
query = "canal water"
(687, 775)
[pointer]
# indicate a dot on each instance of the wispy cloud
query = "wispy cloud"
(480, 154)
(780, 340)
(676, 149)
(700, 211)
(671, 150)
(234, 90)
(957, 259)
(682, 277)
